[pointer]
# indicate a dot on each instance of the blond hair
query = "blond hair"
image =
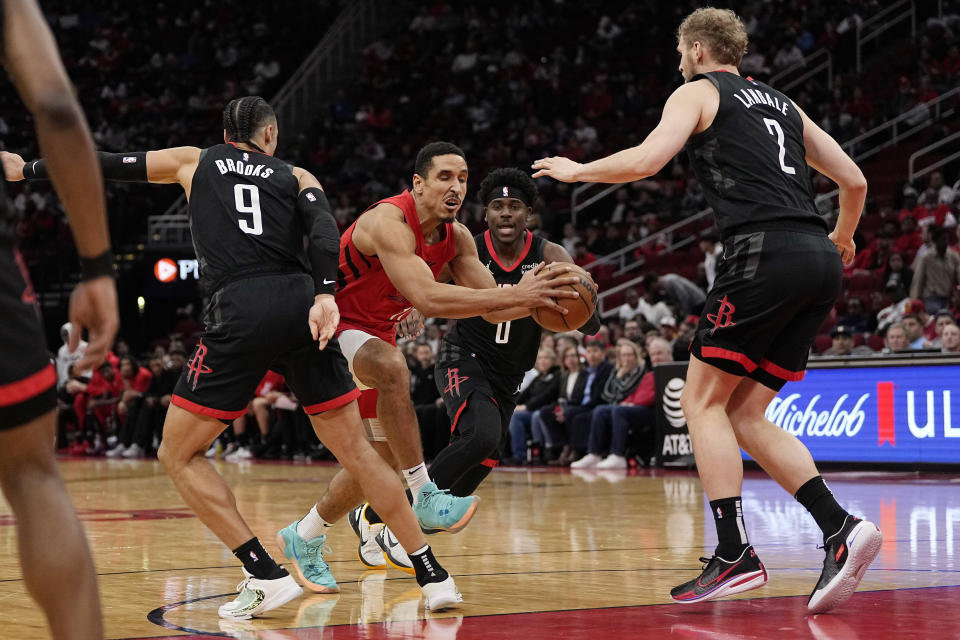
(637, 350)
(720, 30)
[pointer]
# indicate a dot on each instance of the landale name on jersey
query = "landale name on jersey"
(235, 166)
(753, 96)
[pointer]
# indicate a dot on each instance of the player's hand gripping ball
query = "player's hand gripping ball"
(578, 309)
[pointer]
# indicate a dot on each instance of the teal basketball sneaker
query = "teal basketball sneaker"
(437, 510)
(307, 559)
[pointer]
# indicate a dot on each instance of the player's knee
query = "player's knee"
(391, 374)
(24, 471)
(480, 425)
(171, 456)
(691, 404)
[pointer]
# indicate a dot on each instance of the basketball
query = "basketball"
(579, 309)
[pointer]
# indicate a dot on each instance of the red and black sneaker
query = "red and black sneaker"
(849, 552)
(723, 578)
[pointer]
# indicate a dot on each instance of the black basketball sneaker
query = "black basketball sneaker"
(849, 552)
(723, 578)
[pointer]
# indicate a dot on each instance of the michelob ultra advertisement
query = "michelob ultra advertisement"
(901, 411)
(883, 414)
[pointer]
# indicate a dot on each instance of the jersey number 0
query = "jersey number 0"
(503, 333)
(240, 196)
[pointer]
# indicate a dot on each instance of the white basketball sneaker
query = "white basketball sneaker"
(393, 552)
(257, 596)
(441, 595)
(368, 551)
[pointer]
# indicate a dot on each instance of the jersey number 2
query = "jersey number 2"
(774, 128)
(255, 227)
(503, 333)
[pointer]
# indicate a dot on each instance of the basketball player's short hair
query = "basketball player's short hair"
(426, 155)
(721, 30)
(243, 116)
(518, 185)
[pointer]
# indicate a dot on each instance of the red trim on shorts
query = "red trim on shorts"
(456, 417)
(780, 372)
(336, 403)
(489, 462)
(726, 354)
(493, 254)
(193, 407)
(29, 387)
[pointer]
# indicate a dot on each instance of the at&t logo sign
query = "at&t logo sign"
(671, 402)
(675, 444)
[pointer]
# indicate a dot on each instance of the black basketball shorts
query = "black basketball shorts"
(28, 381)
(252, 325)
(773, 290)
(459, 373)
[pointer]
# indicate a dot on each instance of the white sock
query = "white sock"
(416, 477)
(312, 526)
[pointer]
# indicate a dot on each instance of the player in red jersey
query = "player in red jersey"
(389, 260)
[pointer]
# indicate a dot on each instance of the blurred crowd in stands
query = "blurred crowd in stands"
(509, 83)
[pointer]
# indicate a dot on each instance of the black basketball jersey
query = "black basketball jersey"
(243, 216)
(508, 348)
(751, 161)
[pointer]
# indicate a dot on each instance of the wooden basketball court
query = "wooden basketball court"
(549, 554)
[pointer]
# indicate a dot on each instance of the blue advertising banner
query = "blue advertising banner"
(899, 410)
(882, 414)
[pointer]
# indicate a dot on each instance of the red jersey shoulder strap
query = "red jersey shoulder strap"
(404, 201)
(450, 243)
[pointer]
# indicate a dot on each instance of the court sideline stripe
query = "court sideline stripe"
(156, 616)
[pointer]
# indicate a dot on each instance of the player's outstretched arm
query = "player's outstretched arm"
(827, 157)
(165, 166)
(680, 118)
(34, 64)
(393, 241)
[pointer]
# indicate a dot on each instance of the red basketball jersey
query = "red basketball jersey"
(367, 299)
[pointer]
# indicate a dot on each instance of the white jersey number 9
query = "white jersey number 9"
(253, 209)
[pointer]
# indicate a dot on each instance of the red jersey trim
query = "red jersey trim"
(193, 407)
(489, 462)
(29, 387)
(523, 254)
(726, 354)
(335, 403)
(780, 372)
(456, 417)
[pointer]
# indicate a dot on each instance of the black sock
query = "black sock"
(257, 561)
(732, 536)
(817, 498)
(374, 518)
(427, 567)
